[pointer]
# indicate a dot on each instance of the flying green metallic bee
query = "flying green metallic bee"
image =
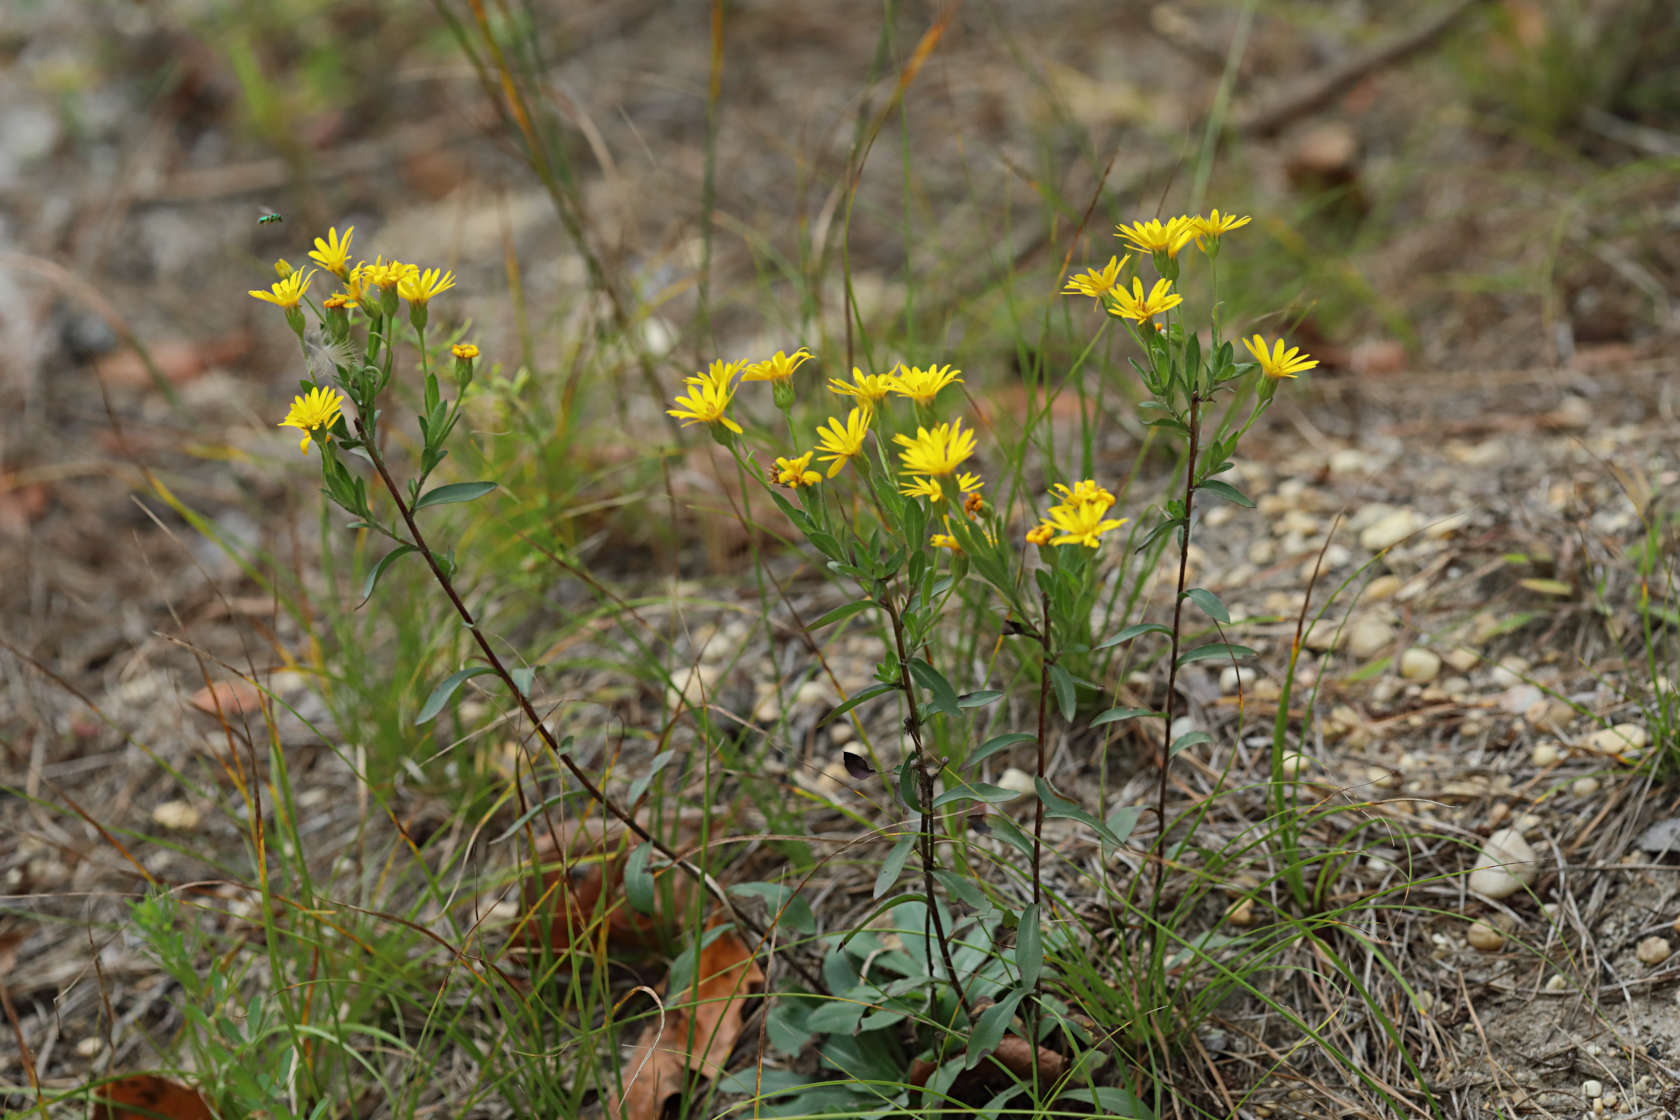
(269, 218)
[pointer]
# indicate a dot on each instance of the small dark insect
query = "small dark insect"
(856, 765)
(267, 219)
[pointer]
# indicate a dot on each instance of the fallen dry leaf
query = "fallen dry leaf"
(230, 698)
(1017, 1057)
(146, 1096)
(726, 975)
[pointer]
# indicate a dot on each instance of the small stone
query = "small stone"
(1556, 983)
(1528, 822)
(1592, 1089)
(177, 816)
(1549, 715)
(1261, 551)
(841, 732)
(1484, 936)
(1545, 754)
(1369, 637)
(1382, 777)
(1241, 914)
(1584, 787)
(1383, 587)
(1231, 676)
(1293, 763)
(1017, 780)
(1505, 865)
(1511, 672)
(90, 1047)
(1325, 636)
(1621, 739)
(1388, 530)
(1461, 658)
(1419, 664)
(1350, 460)
(1653, 950)
(1444, 527)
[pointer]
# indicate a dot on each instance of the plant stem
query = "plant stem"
(1172, 660)
(1043, 719)
(924, 794)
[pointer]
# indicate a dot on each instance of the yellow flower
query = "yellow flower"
(1085, 490)
(283, 268)
(316, 410)
(1080, 523)
(945, 540)
(1041, 533)
(287, 292)
(337, 302)
(464, 350)
(794, 473)
(930, 488)
(973, 503)
(333, 252)
(866, 388)
(1097, 284)
(1278, 363)
(778, 368)
(840, 441)
(936, 452)
(922, 385)
(1138, 307)
(1216, 224)
(708, 396)
(1153, 237)
(382, 275)
(419, 287)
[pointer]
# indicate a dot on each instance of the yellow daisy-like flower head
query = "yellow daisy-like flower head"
(1138, 307)
(1097, 284)
(287, 292)
(1041, 533)
(1085, 490)
(1081, 523)
(1276, 363)
(839, 442)
(333, 252)
(794, 473)
(708, 397)
(922, 385)
(945, 540)
(1217, 224)
(865, 388)
(780, 367)
(381, 274)
(928, 488)
(316, 410)
(466, 351)
(419, 287)
(939, 451)
(1154, 237)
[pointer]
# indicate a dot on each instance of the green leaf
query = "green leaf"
(385, 562)
(787, 905)
(1000, 742)
(942, 695)
(1123, 820)
(1131, 632)
(857, 698)
(1115, 715)
(640, 785)
(1227, 491)
(893, 865)
(843, 612)
(1213, 651)
(638, 881)
(522, 678)
(1189, 739)
(1029, 946)
(1066, 699)
(1210, 604)
(453, 492)
(445, 689)
(1055, 805)
(993, 1022)
(979, 791)
(979, 698)
(1117, 1104)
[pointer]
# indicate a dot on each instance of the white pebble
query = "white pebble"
(1383, 587)
(1484, 936)
(1462, 658)
(1017, 780)
(1653, 950)
(1418, 664)
(1584, 787)
(177, 816)
(1368, 637)
(1620, 739)
(1556, 983)
(1545, 754)
(1388, 531)
(1505, 865)
(1592, 1089)
(1293, 763)
(1231, 676)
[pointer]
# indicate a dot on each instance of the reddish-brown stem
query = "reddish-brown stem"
(1172, 660)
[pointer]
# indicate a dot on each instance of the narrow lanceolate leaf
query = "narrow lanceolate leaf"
(1214, 650)
(1055, 805)
(385, 562)
(1210, 604)
(841, 612)
(940, 693)
(1115, 715)
(1227, 491)
(893, 865)
(1029, 947)
(445, 689)
(1131, 632)
(638, 881)
(453, 492)
(1062, 682)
